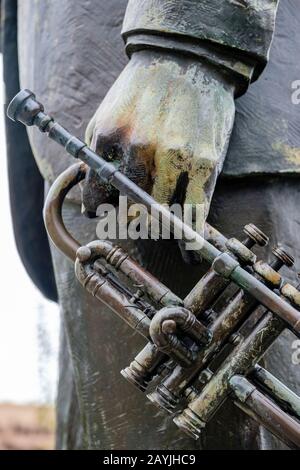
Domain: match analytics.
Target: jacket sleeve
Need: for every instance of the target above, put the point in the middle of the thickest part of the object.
(234, 34)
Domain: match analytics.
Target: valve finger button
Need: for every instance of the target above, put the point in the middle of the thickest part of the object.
(256, 236)
(283, 256)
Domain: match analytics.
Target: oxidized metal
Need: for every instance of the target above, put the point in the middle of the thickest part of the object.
(277, 390)
(201, 350)
(261, 408)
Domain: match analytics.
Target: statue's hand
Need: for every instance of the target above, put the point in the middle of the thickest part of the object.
(166, 122)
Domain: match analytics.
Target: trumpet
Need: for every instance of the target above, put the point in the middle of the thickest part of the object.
(202, 350)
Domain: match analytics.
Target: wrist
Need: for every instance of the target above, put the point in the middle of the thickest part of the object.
(181, 63)
(238, 71)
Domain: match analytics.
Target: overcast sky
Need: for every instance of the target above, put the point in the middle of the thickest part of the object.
(29, 325)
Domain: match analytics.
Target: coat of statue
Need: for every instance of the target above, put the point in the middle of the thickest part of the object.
(185, 120)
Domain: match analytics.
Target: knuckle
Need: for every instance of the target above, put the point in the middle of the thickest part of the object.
(205, 163)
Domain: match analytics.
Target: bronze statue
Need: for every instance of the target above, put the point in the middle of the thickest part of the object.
(166, 122)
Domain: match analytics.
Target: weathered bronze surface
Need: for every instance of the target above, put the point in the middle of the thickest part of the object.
(261, 155)
(191, 338)
(276, 389)
(264, 410)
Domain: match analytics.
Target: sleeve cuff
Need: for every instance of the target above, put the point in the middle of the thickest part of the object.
(236, 34)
